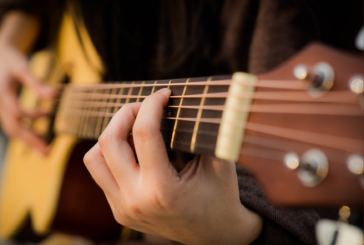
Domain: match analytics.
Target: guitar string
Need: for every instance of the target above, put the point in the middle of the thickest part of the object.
(282, 84)
(97, 114)
(280, 145)
(153, 85)
(272, 154)
(344, 97)
(345, 141)
(259, 152)
(322, 109)
(337, 142)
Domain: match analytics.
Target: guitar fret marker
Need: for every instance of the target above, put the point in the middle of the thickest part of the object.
(199, 114)
(177, 116)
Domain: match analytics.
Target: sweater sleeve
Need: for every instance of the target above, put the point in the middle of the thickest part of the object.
(281, 225)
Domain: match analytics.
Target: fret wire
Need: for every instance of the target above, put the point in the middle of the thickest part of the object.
(177, 116)
(85, 123)
(78, 123)
(170, 81)
(199, 114)
(108, 118)
(153, 87)
(73, 118)
(140, 92)
(106, 121)
(98, 129)
(121, 92)
(92, 124)
(60, 119)
(129, 93)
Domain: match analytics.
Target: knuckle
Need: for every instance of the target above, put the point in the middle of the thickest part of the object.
(125, 109)
(123, 220)
(119, 216)
(134, 209)
(142, 130)
(161, 200)
(87, 159)
(104, 139)
(119, 219)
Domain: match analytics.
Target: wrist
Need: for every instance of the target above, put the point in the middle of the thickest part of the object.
(245, 228)
(252, 223)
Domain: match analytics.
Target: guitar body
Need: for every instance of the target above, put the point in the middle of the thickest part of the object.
(45, 187)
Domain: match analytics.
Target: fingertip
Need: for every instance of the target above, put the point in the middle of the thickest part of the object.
(47, 91)
(42, 150)
(165, 91)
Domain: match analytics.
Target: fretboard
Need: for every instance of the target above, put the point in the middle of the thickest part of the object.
(191, 122)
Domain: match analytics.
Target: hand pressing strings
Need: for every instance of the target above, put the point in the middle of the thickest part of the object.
(199, 205)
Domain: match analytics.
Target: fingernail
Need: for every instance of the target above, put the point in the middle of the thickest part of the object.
(165, 91)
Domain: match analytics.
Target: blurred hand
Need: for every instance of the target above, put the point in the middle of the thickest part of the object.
(14, 71)
(199, 205)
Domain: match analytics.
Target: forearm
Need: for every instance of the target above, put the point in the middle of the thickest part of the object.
(19, 30)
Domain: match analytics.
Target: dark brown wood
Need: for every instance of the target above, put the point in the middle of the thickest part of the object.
(82, 208)
(281, 185)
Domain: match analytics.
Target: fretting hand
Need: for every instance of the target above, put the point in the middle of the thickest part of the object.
(199, 205)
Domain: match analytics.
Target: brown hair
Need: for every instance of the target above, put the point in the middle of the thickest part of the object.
(146, 39)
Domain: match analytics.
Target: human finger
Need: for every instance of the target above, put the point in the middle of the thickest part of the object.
(22, 73)
(149, 145)
(34, 114)
(14, 129)
(115, 147)
(99, 170)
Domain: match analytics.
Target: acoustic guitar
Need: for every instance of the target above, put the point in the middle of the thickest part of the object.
(298, 129)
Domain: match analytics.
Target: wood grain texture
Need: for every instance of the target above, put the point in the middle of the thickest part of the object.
(282, 185)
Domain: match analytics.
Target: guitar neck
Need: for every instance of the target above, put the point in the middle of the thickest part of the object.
(278, 122)
(191, 122)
